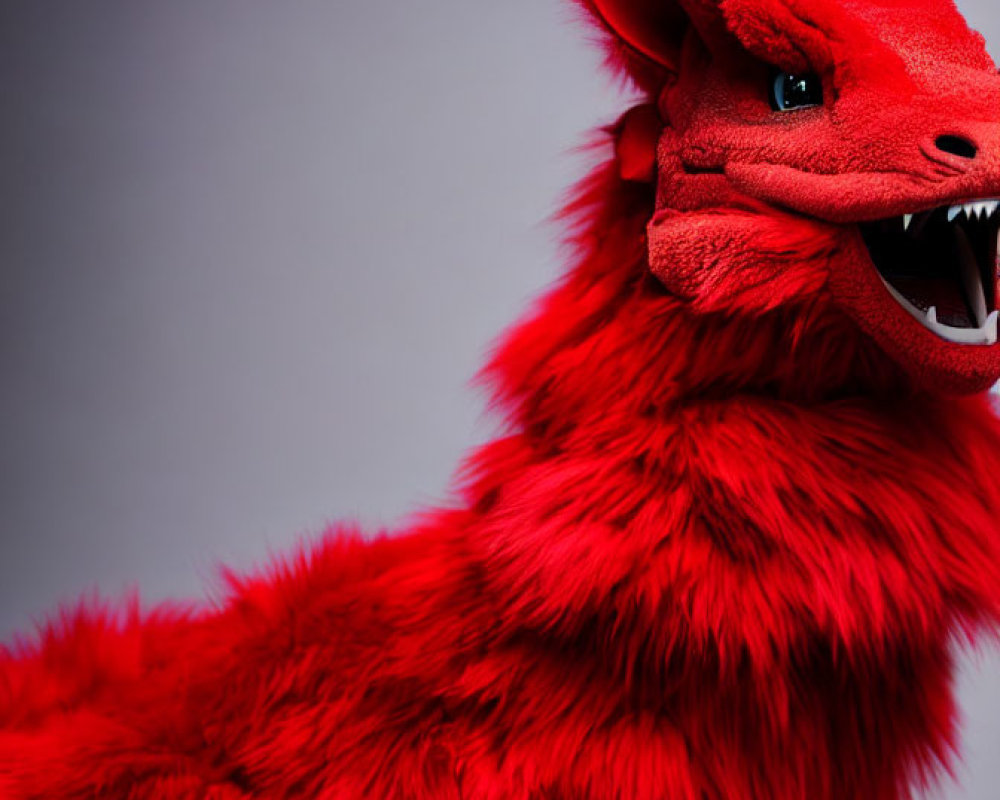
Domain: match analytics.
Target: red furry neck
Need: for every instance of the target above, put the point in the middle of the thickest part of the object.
(773, 475)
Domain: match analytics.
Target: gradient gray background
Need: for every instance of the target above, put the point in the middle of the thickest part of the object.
(251, 254)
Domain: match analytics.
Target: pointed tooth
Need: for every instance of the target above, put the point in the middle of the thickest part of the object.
(907, 219)
(932, 315)
(991, 207)
(970, 209)
(991, 327)
(953, 212)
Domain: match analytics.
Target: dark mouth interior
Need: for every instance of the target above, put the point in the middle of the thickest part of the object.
(941, 259)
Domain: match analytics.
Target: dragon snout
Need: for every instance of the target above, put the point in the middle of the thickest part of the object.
(961, 127)
(960, 148)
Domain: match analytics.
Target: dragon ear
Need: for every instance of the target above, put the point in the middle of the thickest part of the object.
(650, 28)
(647, 35)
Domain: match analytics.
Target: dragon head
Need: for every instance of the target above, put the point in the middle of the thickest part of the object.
(843, 152)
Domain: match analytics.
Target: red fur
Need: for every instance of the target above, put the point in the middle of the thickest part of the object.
(721, 553)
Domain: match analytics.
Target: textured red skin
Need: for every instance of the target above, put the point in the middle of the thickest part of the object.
(721, 553)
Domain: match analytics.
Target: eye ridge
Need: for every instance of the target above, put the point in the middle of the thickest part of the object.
(793, 91)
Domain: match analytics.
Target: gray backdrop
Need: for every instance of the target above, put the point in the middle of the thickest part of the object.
(251, 254)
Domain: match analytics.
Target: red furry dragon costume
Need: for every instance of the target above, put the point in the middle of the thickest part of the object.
(747, 499)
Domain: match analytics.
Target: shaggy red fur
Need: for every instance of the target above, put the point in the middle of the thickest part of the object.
(744, 505)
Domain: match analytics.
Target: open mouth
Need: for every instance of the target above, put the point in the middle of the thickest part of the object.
(941, 265)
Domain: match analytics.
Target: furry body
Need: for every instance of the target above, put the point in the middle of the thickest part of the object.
(721, 554)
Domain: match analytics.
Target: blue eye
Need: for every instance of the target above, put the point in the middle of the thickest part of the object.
(793, 92)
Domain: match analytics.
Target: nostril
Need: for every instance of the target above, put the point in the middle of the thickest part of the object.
(957, 146)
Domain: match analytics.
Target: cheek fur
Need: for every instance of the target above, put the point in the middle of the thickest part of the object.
(740, 262)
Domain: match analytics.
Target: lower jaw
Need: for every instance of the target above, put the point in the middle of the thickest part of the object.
(980, 336)
(933, 363)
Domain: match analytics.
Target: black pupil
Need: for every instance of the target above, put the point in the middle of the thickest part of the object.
(798, 91)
